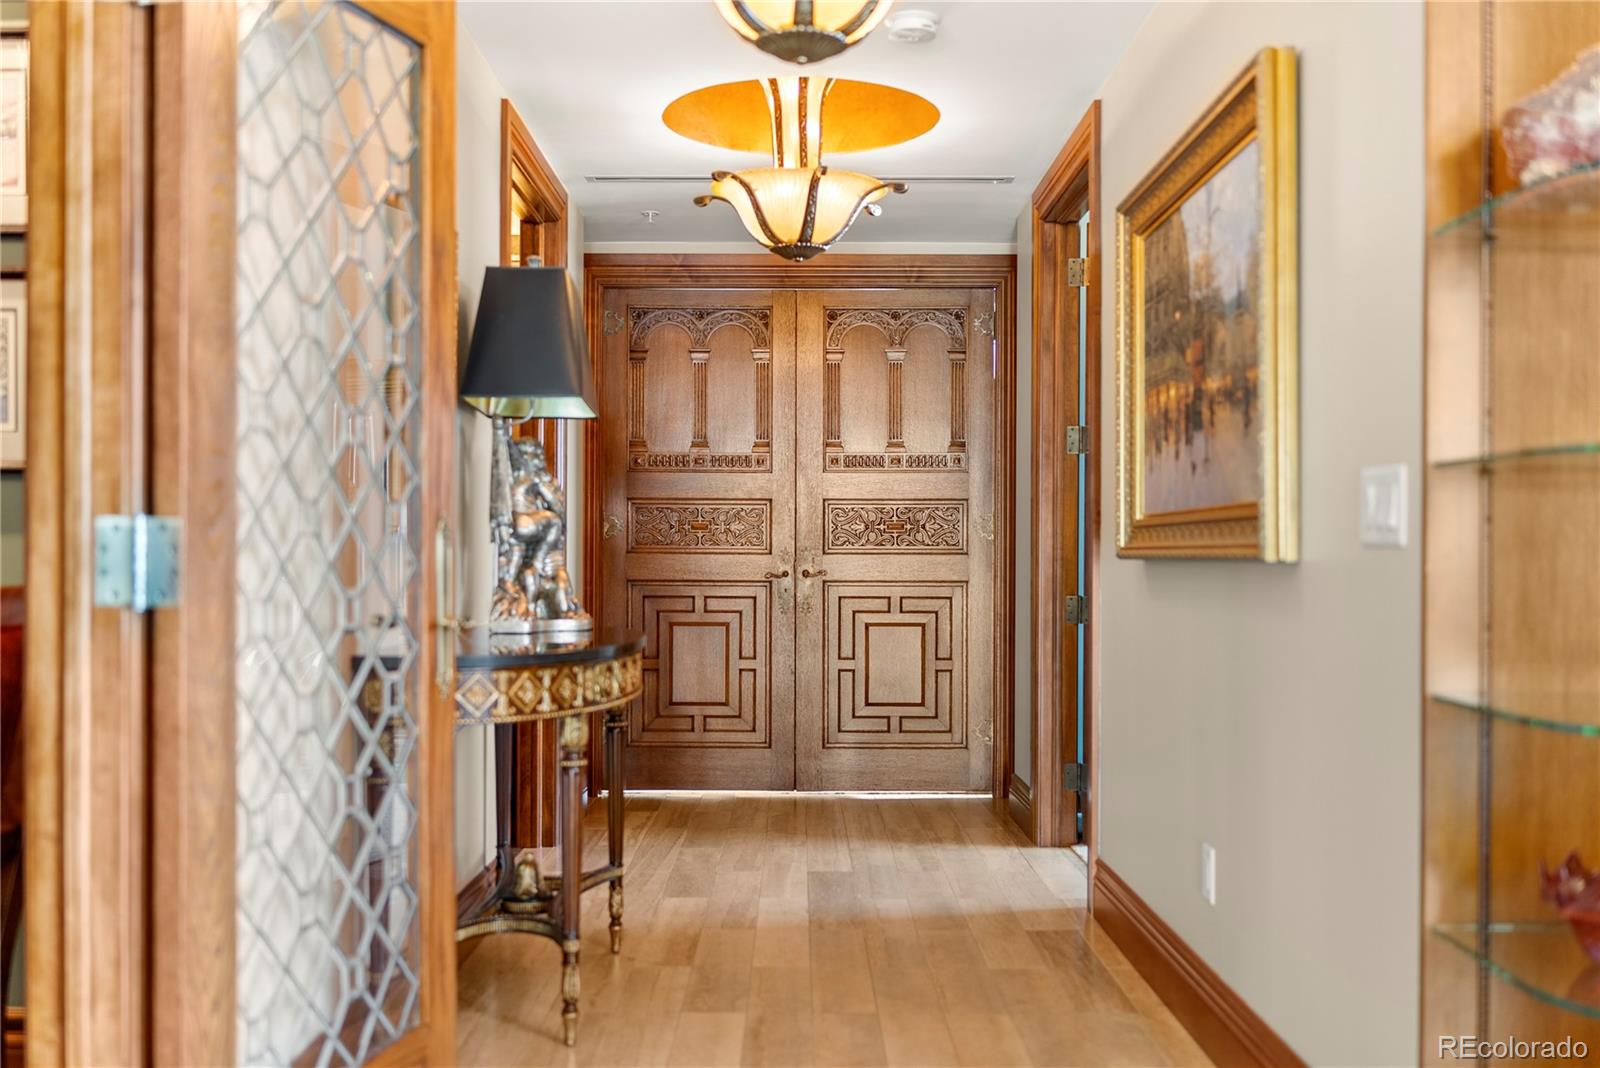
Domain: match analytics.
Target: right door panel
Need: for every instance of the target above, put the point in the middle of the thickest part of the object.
(894, 540)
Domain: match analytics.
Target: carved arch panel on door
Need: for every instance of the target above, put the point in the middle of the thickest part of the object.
(663, 378)
(903, 368)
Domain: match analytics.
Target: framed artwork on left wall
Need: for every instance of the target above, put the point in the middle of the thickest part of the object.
(13, 372)
(13, 133)
(1207, 333)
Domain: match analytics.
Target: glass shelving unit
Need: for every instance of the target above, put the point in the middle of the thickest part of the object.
(1511, 716)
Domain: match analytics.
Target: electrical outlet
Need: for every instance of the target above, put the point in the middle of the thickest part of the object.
(1208, 873)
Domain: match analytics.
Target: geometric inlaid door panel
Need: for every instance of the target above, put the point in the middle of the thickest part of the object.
(897, 660)
(697, 389)
(894, 529)
(706, 668)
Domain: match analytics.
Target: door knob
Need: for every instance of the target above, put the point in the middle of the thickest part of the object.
(806, 572)
(777, 574)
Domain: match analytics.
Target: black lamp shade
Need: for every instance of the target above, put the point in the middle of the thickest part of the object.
(529, 357)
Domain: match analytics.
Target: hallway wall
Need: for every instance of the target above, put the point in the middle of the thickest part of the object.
(1270, 710)
(478, 94)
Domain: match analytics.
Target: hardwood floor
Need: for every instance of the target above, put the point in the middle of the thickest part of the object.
(796, 929)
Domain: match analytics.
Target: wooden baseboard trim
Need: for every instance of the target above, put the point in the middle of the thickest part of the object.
(470, 898)
(1019, 803)
(1224, 1026)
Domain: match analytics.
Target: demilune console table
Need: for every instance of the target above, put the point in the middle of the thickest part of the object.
(503, 680)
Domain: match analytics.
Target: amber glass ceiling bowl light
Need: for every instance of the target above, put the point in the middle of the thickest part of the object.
(797, 207)
(803, 31)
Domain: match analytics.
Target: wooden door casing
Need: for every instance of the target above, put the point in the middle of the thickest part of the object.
(699, 529)
(606, 276)
(894, 540)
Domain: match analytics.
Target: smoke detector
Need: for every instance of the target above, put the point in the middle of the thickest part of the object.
(914, 26)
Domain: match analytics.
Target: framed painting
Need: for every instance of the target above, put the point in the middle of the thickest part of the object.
(13, 133)
(13, 372)
(1207, 333)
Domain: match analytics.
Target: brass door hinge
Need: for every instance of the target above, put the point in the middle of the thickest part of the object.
(1078, 271)
(1074, 777)
(1077, 610)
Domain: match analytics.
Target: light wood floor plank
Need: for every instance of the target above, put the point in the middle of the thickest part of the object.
(813, 931)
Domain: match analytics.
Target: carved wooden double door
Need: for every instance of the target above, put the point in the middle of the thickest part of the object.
(799, 516)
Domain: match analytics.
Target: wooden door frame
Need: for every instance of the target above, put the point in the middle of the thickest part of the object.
(526, 176)
(1068, 192)
(131, 921)
(91, 876)
(533, 199)
(605, 271)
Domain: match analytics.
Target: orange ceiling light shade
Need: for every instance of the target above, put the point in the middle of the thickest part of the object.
(797, 207)
(860, 115)
(803, 31)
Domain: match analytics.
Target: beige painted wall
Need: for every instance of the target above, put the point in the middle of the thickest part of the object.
(478, 96)
(1273, 710)
(1022, 720)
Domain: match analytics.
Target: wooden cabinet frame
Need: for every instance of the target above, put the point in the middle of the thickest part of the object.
(131, 899)
(607, 271)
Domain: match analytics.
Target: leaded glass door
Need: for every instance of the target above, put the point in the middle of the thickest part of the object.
(240, 851)
(345, 370)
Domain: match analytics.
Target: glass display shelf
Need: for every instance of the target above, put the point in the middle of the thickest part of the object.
(1521, 719)
(1542, 960)
(1515, 456)
(1562, 209)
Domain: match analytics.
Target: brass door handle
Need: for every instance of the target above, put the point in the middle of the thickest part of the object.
(806, 572)
(447, 625)
(777, 574)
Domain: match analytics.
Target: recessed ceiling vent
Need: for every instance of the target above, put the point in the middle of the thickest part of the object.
(914, 26)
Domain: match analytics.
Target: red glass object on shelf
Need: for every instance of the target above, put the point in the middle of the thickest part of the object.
(1575, 892)
(1556, 128)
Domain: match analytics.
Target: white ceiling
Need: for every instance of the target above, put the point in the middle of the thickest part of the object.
(591, 79)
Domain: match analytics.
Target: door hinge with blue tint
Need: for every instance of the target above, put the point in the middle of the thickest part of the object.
(1077, 611)
(1077, 440)
(135, 561)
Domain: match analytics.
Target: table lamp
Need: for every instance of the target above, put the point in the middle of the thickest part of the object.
(529, 359)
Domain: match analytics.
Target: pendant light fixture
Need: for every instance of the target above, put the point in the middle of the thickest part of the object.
(798, 207)
(803, 31)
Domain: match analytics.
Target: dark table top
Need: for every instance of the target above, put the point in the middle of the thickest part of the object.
(480, 649)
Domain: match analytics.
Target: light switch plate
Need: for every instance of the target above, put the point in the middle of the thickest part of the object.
(1383, 506)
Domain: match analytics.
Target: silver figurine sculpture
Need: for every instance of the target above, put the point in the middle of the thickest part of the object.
(528, 518)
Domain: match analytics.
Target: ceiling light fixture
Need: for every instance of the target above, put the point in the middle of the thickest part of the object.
(803, 31)
(797, 207)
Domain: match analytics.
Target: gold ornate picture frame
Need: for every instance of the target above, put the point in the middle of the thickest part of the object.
(1207, 333)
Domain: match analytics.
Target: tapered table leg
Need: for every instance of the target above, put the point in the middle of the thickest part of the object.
(616, 721)
(574, 759)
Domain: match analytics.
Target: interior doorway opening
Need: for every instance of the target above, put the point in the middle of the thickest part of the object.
(1066, 497)
(805, 481)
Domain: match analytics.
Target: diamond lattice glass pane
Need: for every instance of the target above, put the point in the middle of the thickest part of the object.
(329, 366)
